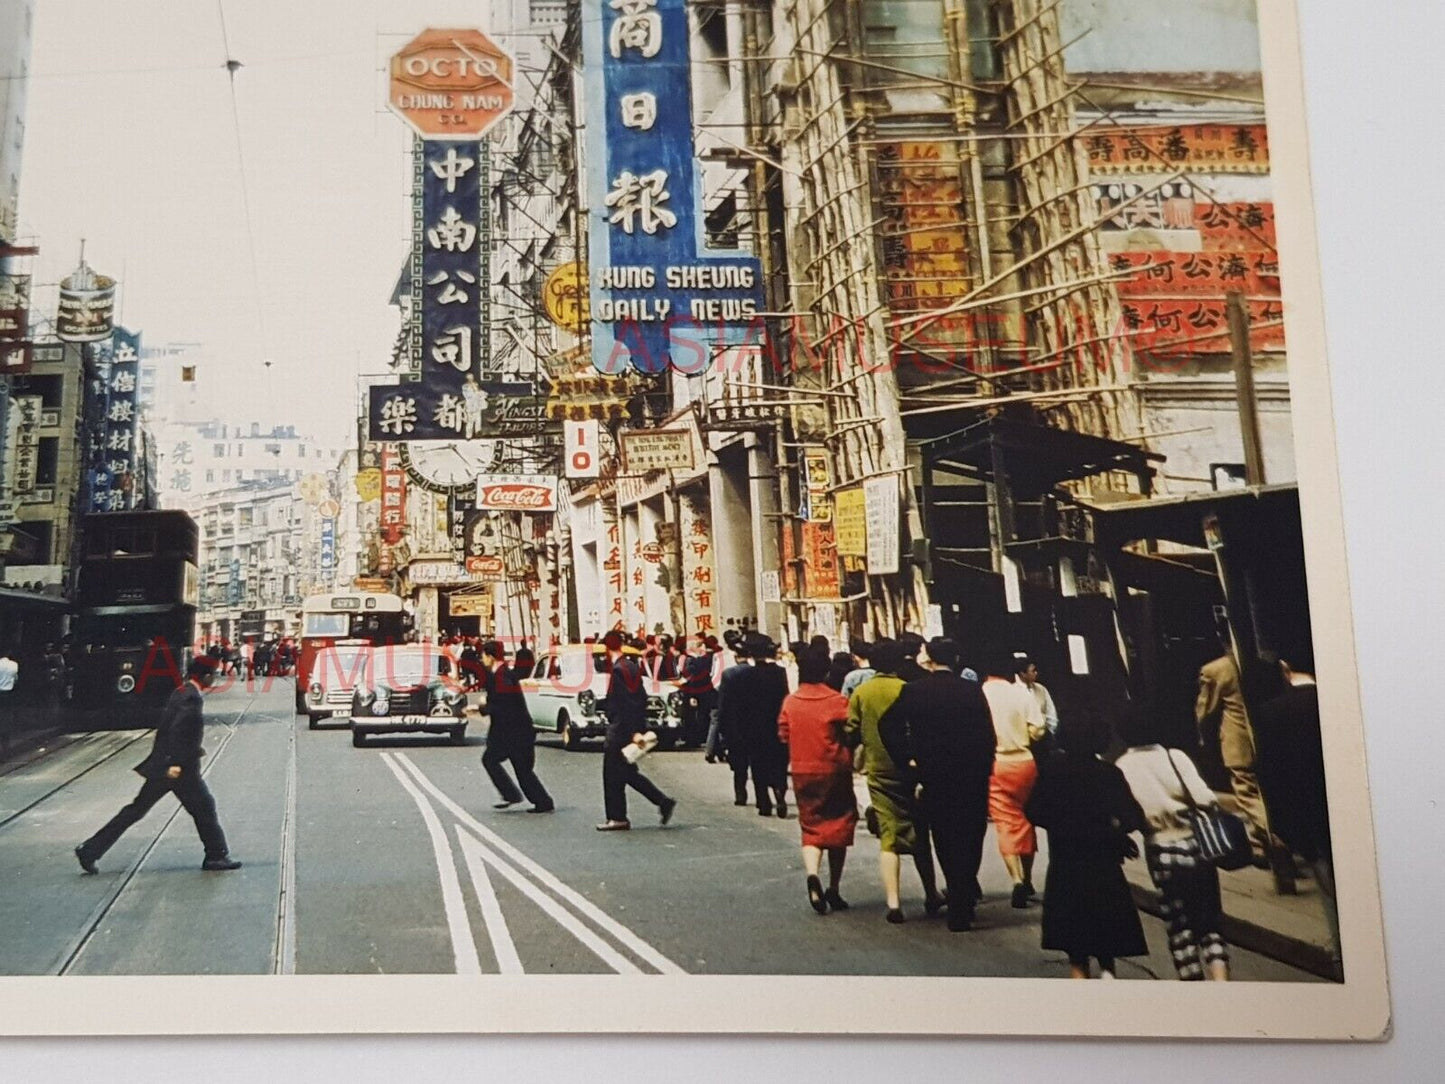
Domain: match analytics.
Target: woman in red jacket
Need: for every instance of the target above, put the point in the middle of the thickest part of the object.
(811, 726)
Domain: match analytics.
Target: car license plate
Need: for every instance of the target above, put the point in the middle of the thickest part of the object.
(415, 720)
(341, 713)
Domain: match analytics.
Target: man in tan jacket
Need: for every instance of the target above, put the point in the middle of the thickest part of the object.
(1220, 696)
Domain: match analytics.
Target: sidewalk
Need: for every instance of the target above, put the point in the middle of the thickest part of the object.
(1287, 928)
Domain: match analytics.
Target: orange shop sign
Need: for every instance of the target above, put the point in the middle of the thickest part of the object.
(451, 84)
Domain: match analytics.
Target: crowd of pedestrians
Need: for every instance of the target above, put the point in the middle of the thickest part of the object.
(947, 750)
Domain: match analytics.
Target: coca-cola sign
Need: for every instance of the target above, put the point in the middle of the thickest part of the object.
(517, 493)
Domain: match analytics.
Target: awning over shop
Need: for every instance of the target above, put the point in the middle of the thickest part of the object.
(1181, 518)
(1035, 457)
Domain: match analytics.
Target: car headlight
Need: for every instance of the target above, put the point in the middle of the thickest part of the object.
(126, 684)
(587, 702)
(315, 692)
(365, 695)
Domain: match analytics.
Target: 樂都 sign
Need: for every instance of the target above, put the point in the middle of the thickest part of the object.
(651, 450)
(517, 493)
(451, 84)
(659, 295)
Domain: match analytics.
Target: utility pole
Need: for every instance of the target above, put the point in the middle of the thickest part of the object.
(1244, 388)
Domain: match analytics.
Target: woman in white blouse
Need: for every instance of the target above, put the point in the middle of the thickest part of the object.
(1163, 781)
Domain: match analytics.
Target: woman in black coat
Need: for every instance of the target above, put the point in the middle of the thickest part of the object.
(1087, 809)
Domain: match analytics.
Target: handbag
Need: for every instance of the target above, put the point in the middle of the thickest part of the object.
(1222, 837)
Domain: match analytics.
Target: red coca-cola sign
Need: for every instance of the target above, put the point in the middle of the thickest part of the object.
(517, 493)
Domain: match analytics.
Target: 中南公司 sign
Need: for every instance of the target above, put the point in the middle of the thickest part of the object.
(448, 395)
(658, 293)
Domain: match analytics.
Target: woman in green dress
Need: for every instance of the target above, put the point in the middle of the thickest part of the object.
(890, 786)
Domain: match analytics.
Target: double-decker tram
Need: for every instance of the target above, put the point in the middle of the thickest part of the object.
(135, 615)
(333, 626)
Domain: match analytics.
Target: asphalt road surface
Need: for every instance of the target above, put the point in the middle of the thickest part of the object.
(390, 859)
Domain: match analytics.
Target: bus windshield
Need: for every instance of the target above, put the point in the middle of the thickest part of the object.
(326, 625)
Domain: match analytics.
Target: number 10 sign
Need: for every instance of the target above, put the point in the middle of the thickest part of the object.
(580, 449)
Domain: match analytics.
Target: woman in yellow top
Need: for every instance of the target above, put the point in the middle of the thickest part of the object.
(890, 786)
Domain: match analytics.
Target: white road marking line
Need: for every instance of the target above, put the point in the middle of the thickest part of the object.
(285, 960)
(503, 947)
(464, 948)
(580, 903)
(610, 956)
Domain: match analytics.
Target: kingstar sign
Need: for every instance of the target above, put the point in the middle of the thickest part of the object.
(658, 294)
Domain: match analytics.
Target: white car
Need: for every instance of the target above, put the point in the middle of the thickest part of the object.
(338, 669)
(565, 690)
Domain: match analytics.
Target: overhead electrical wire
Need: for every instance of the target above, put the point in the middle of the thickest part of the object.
(232, 66)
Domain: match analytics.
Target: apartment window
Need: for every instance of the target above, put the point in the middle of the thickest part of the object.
(47, 459)
(218, 451)
(210, 476)
(225, 476)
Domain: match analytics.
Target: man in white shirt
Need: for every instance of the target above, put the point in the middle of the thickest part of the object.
(9, 673)
(1028, 676)
(1017, 723)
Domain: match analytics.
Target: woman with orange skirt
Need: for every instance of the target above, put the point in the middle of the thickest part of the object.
(811, 726)
(1017, 723)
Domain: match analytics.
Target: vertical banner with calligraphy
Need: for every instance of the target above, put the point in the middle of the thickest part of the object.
(122, 421)
(100, 358)
(820, 561)
(609, 549)
(699, 573)
(447, 399)
(657, 294)
(393, 495)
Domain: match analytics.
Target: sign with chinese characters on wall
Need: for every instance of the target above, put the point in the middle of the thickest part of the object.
(850, 527)
(820, 561)
(447, 394)
(115, 425)
(880, 496)
(657, 293)
(477, 605)
(1208, 148)
(393, 495)
(613, 575)
(27, 442)
(657, 450)
(699, 572)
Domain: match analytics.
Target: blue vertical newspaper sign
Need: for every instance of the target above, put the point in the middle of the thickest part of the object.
(657, 294)
(328, 545)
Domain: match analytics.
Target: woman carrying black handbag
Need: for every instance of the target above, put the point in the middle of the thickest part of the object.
(1169, 790)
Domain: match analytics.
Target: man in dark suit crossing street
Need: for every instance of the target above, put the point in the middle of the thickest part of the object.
(626, 708)
(173, 766)
(510, 735)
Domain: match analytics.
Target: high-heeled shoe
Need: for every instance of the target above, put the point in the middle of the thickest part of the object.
(934, 904)
(835, 901)
(816, 897)
(895, 915)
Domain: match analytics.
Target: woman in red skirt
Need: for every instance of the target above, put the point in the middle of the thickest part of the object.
(811, 725)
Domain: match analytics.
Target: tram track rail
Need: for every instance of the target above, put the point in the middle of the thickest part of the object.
(66, 960)
(17, 814)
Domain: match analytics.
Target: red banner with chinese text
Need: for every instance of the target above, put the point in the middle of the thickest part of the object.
(1205, 148)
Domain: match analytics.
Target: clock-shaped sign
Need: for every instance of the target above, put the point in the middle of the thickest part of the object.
(446, 468)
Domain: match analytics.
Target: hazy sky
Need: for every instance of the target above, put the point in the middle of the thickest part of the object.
(130, 143)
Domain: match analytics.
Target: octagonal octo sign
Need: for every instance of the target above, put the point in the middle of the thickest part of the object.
(451, 84)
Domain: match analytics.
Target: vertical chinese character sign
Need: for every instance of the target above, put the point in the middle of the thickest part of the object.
(393, 495)
(653, 286)
(450, 86)
(113, 411)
